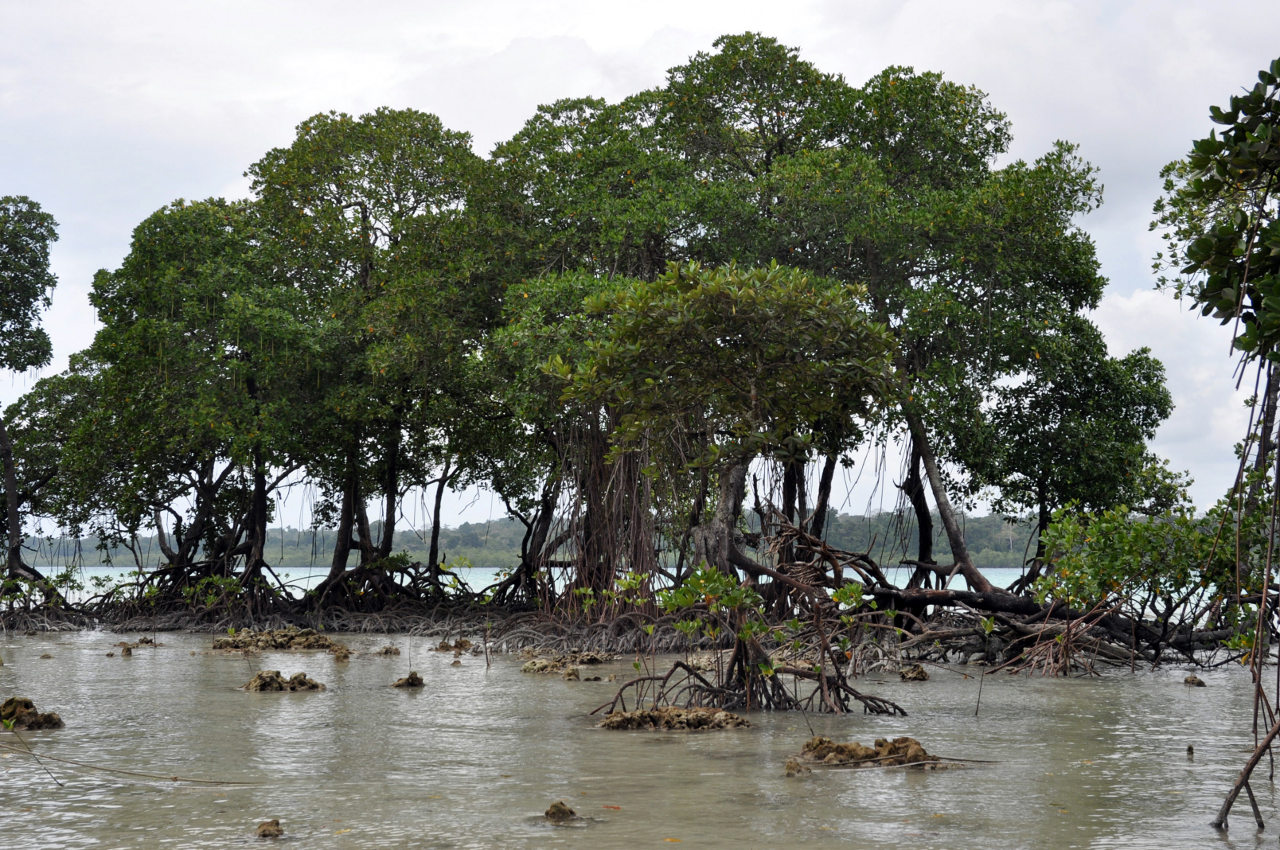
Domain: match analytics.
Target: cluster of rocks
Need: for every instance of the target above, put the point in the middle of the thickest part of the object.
(271, 680)
(127, 648)
(900, 751)
(290, 637)
(20, 713)
(673, 718)
(914, 673)
(563, 663)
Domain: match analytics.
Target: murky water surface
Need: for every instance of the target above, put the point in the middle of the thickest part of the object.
(475, 757)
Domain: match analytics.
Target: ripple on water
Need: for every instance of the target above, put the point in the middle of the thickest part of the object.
(475, 757)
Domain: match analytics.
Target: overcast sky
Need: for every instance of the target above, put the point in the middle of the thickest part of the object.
(109, 110)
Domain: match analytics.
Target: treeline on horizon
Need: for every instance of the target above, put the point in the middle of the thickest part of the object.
(994, 541)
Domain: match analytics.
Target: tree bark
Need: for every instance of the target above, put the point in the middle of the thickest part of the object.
(913, 489)
(13, 523)
(964, 564)
(713, 540)
(15, 566)
(790, 474)
(818, 521)
(342, 545)
(391, 490)
(257, 518)
(433, 555)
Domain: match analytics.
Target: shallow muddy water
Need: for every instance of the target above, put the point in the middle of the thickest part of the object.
(474, 758)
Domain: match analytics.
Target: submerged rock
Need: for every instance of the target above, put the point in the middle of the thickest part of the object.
(795, 768)
(126, 648)
(1194, 681)
(271, 680)
(559, 812)
(673, 717)
(388, 650)
(270, 829)
(290, 637)
(20, 713)
(413, 680)
(914, 673)
(537, 665)
(899, 751)
(561, 662)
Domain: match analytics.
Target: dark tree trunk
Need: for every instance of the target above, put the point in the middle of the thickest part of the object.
(818, 522)
(713, 539)
(364, 540)
(343, 545)
(1043, 518)
(13, 523)
(964, 564)
(913, 489)
(391, 491)
(598, 536)
(533, 553)
(15, 567)
(433, 556)
(257, 518)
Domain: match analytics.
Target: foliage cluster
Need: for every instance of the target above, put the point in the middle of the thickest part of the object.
(618, 319)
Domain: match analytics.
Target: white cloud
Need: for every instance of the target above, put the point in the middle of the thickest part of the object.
(1209, 415)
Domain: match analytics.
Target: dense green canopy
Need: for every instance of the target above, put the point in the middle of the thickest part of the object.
(617, 321)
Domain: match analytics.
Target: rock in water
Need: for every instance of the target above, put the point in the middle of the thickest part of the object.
(899, 751)
(20, 713)
(1194, 681)
(914, 673)
(271, 680)
(270, 829)
(559, 812)
(795, 768)
(671, 717)
(290, 637)
(413, 680)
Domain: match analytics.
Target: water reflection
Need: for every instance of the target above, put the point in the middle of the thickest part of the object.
(474, 757)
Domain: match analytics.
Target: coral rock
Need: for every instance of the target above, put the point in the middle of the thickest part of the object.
(559, 812)
(20, 713)
(673, 718)
(271, 680)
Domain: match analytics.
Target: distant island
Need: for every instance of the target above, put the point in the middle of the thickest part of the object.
(994, 542)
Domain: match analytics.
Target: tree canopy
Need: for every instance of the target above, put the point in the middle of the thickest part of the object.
(26, 232)
(655, 328)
